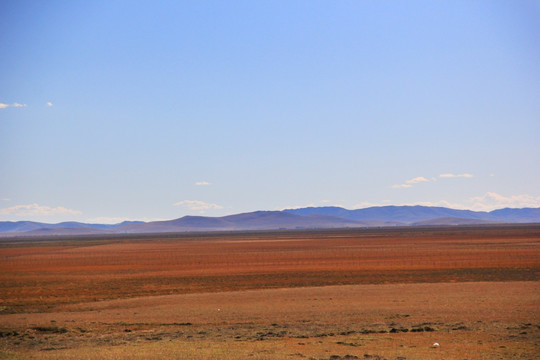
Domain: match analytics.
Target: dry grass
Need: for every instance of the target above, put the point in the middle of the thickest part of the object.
(39, 276)
(281, 295)
(470, 320)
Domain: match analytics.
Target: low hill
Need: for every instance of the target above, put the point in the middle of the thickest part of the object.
(414, 214)
(451, 221)
(258, 220)
(305, 218)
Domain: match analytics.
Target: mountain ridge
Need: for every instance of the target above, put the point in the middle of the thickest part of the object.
(302, 218)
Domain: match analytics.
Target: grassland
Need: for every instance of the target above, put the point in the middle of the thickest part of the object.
(381, 293)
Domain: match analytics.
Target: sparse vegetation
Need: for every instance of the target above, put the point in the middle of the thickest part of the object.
(392, 296)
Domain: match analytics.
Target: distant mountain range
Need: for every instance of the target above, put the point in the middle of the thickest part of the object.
(411, 214)
(304, 218)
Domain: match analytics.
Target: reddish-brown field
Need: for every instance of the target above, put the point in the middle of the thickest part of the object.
(286, 294)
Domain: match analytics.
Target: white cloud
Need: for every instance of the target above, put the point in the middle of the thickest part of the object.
(491, 201)
(202, 183)
(409, 183)
(417, 180)
(17, 105)
(399, 186)
(487, 202)
(368, 204)
(456, 176)
(49, 104)
(6, 199)
(198, 205)
(440, 203)
(37, 210)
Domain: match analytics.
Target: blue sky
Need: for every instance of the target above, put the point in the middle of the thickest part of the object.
(114, 110)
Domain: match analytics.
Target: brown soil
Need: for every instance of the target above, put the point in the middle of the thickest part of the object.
(389, 293)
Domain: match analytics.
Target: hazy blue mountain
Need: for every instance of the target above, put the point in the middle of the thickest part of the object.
(525, 215)
(280, 219)
(305, 218)
(452, 221)
(186, 223)
(258, 220)
(414, 214)
(64, 231)
(16, 226)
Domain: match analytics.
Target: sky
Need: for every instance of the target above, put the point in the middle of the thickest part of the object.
(143, 110)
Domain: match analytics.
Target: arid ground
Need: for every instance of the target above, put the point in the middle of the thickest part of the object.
(386, 293)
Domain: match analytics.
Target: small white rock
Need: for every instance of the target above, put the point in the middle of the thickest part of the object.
(435, 345)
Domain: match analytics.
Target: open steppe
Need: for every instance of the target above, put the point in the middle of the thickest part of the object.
(328, 294)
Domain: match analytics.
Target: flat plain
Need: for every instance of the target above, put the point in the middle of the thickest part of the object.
(388, 293)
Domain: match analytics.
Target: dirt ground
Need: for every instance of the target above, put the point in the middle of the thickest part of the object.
(366, 294)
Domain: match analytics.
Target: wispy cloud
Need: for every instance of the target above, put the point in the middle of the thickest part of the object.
(409, 183)
(202, 183)
(487, 202)
(456, 176)
(17, 105)
(490, 201)
(368, 204)
(440, 203)
(417, 180)
(198, 205)
(420, 179)
(49, 104)
(37, 210)
(401, 186)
